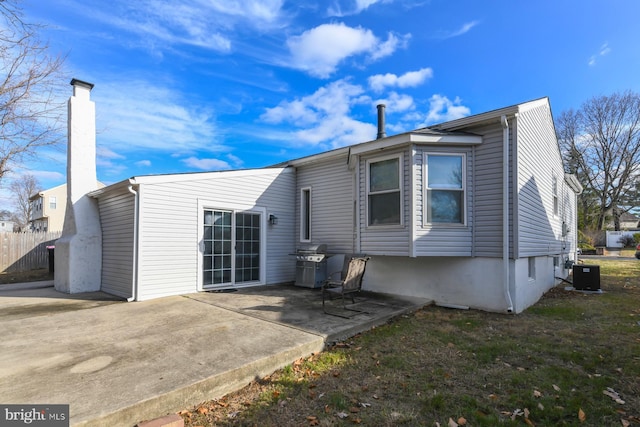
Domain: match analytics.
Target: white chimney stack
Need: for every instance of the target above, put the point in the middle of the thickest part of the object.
(78, 253)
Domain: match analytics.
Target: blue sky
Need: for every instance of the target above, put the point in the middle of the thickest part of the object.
(198, 85)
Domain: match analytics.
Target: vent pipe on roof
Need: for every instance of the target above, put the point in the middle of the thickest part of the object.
(381, 132)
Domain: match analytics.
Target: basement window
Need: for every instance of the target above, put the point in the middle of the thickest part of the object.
(532, 268)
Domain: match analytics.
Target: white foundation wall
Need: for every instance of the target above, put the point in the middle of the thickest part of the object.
(461, 282)
(471, 282)
(527, 290)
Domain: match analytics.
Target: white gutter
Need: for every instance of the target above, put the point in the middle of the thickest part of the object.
(134, 276)
(505, 212)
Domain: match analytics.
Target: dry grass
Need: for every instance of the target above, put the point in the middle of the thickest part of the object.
(562, 362)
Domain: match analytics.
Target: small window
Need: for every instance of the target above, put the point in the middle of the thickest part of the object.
(384, 192)
(532, 268)
(305, 215)
(445, 176)
(52, 202)
(554, 190)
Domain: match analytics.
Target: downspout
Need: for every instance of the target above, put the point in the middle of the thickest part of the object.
(505, 212)
(134, 275)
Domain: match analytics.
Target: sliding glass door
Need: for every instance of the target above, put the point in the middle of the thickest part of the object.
(232, 245)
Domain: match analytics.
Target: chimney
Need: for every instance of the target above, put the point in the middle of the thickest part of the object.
(78, 253)
(381, 132)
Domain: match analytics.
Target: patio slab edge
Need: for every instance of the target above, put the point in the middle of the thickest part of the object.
(210, 388)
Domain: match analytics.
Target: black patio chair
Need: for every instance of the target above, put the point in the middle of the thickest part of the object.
(347, 286)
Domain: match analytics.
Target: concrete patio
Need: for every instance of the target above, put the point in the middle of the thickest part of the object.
(119, 363)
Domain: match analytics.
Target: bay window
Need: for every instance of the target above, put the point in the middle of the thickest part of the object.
(445, 189)
(384, 192)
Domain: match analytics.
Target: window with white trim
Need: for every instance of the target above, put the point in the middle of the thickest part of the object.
(52, 202)
(384, 191)
(305, 215)
(445, 188)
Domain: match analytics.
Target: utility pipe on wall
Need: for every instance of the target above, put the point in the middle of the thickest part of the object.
(505, 212)
(134, 278)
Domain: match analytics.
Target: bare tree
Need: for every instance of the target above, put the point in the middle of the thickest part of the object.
(22, 190)
(31, 109)
(601, 145)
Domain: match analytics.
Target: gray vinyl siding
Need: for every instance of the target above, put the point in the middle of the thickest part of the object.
(169, 247)
(331, 184)
(392, 240)
(441, 239)
(539, 160)
(117, 222)
(487, 192)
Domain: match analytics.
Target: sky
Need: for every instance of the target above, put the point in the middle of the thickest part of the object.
(204, 85)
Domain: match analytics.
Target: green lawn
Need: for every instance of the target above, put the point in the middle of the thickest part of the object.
(572, 359)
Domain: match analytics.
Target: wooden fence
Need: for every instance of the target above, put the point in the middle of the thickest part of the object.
(25, 251)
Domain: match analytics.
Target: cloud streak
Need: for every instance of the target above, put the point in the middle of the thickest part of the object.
(604, 50)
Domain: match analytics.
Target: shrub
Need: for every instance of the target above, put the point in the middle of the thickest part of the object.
(627, 240)
(636, 237)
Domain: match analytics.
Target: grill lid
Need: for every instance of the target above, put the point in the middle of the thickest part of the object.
(312, 249)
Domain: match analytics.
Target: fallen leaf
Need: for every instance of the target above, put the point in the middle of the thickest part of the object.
(536, 393)
(529, 422)
(493, 397)
(541, 406)
(365, 405)
(354, 410)
(625, 423)
(342, 415)
(311, 418)
(202, 410)
(526, 413)
(581, 415)
(614, 395)
(556, 388)
(452, 423)
(356, 420)
(462, 421)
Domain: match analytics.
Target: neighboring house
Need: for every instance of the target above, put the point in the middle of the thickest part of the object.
(6, 225)
(48, 209)
(629, 221)
(475, 212)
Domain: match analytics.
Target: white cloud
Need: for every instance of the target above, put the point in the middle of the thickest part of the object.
(378, 82)
(396, 103)
(604, 50)
(136, 115)
(352, 7)
(106, 153)
(442, 109)
(320, 50)
(324, 117)
(143, 163)
(206, 164)
(207, 24)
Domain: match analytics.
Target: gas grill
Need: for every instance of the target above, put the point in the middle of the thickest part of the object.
(311, 265)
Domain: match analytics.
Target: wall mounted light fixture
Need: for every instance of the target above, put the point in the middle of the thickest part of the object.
(273, 220)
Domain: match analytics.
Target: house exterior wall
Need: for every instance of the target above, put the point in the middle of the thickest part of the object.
(117, 219)
(539, 162)
(169, 227)
(487, 190)
(332, 203)
(44, 215)
(392, 240)
(442, 239)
